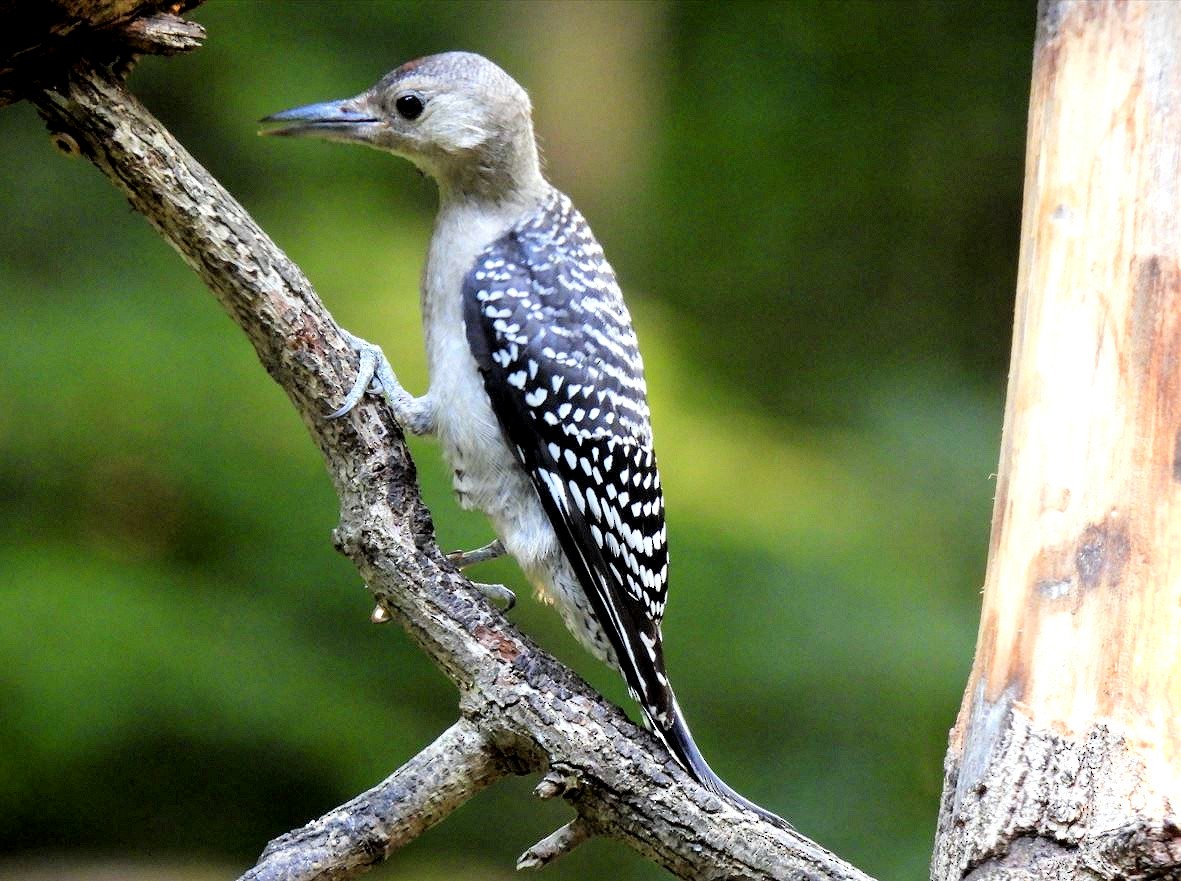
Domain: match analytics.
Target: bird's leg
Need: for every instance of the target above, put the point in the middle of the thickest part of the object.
(490, 551)
(376, 375)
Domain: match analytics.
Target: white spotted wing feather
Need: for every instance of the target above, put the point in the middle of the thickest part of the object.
(554, 342)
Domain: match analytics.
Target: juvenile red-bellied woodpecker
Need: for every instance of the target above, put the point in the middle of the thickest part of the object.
(537, 390)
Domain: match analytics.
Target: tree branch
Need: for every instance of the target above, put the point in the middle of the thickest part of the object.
(366, 830)
(39, 42)
(554, 845)
(514, 698)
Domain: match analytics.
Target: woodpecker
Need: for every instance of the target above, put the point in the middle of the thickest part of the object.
(537, 391)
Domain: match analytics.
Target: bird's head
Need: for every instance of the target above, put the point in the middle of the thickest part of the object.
(456, 115)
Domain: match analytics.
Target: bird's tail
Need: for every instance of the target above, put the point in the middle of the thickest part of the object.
(674, 731)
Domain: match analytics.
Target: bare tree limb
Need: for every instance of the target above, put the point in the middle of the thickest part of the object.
(40, 41)
(535, 712)
(163, 34)
(366, 830)
(553, 846)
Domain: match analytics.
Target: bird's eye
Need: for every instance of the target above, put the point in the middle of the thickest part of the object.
(408, 106)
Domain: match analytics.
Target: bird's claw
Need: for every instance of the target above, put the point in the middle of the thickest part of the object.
(369, 368)
(497, 593)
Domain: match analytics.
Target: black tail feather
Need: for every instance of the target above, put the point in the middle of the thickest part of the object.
(679, 740)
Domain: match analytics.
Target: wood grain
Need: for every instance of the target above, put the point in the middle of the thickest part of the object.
(1080, 634)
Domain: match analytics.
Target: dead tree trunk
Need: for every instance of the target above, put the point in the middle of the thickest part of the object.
(1065, 761)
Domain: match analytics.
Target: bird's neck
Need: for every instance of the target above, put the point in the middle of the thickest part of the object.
(506, 174)
(469, 221)
(464, 227)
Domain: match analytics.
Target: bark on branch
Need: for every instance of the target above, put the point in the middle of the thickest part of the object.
(520, 708)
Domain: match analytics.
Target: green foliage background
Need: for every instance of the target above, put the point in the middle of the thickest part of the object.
(814, 210)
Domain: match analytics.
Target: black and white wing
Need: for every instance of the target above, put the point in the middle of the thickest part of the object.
(555, 345)
(550, 335)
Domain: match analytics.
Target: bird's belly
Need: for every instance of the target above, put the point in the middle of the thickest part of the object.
(486, 474)
(488, 477)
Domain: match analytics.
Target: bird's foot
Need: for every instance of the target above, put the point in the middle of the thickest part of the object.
(375, 375)
(369, 375)
(490, 551)
(497, 593)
